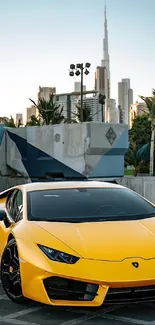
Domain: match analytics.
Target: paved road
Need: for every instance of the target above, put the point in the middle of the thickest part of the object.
(36, 314)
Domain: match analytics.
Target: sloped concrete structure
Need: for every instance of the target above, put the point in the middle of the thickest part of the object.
(93, 150)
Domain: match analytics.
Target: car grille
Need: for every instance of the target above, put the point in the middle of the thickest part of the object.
(65, 289)
(134, 294)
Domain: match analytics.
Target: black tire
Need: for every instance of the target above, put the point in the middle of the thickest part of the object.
(10, 273)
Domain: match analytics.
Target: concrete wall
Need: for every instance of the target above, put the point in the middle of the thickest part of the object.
(142, 185)
(7, 182)
(76, 150)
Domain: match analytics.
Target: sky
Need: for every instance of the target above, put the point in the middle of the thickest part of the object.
(39, 39)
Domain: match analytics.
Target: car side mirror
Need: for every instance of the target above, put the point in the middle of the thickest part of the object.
(3, 215)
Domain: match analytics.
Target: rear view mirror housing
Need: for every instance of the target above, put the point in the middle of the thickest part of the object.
(3, 215)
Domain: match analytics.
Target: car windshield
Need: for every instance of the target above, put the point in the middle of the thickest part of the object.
(87, 204)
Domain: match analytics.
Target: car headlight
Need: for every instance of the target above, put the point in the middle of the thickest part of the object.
(58, 256)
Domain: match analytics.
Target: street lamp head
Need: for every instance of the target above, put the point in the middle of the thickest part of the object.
(86, 72)
(77, 73)
(87, 65)
(102, 99)
(71, 74)
(78, 65)
(72, 66)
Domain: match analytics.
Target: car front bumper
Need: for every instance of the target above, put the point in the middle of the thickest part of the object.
(88, 282)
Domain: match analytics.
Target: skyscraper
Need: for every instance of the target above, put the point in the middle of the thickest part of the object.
(19, 119)
(113, 112)
(45, 92)
(77, 88)
(106, 60)
(30, 111)
(136, 109)
(125, 98)
(102, 76)
(100, 79)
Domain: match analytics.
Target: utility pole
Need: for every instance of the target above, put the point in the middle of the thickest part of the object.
(102, 99)
(79, 71)
(81, 111)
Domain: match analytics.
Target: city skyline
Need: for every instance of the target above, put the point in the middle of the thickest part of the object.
(29, 59)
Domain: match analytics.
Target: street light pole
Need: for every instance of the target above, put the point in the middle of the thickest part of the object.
(80, 70)
(102, 99)
(81, 112)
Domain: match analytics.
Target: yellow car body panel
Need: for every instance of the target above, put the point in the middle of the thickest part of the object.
(106, 251)
(103, 240)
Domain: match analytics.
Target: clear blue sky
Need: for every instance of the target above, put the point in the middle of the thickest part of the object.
(40, 38)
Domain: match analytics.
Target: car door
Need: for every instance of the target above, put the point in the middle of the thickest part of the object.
(14, 209)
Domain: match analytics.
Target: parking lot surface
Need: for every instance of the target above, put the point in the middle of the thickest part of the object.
(37, 314)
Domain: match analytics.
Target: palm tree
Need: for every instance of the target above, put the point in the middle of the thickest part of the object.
(19, 124)
(8, 122)
(34, 121)
(49, 111)
(132, 159)
(150, 103)
(87, 114)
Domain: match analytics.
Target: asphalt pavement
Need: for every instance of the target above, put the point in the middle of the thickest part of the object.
(37, 314)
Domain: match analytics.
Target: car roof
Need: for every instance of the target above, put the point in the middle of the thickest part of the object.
(67, 184)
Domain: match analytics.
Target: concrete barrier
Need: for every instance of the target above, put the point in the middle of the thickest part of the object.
(89, 149)
(142, 185)
(7, 182)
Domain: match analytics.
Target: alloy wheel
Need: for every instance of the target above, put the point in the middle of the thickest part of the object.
(10, 271)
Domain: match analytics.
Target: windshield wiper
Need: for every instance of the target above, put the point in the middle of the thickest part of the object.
(95, 219)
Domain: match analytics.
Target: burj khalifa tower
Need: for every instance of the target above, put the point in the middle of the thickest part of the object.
(102, 75)
(106, 61)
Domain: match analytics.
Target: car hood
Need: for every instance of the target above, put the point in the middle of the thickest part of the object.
(115, 240)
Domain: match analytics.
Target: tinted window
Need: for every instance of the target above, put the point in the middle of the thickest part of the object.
(15, 205)
(10, 200)
(87, 204)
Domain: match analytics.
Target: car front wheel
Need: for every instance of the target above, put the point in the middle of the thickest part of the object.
(10, 273)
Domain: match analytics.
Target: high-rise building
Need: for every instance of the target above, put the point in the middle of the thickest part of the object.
(106, 59)
(125, 98)
(19, 119)
(30, 111)
(45, 92)
(68, 102)
(100, 80)
(113, 112)
(77, 88)
(121, 114)
(95, 108)
(102, 76)
(137, 109)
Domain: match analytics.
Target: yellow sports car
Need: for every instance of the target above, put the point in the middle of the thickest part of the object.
(81, 243)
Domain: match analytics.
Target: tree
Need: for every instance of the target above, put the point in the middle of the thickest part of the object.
(19, 124)
(49, 111)
(131, 158)
(87, 113)
(150, 103)
(139, 137)
(8, 122)
(140, 134)
(34, 121)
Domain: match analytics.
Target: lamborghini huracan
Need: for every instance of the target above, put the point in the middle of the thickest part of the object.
(81, 243)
